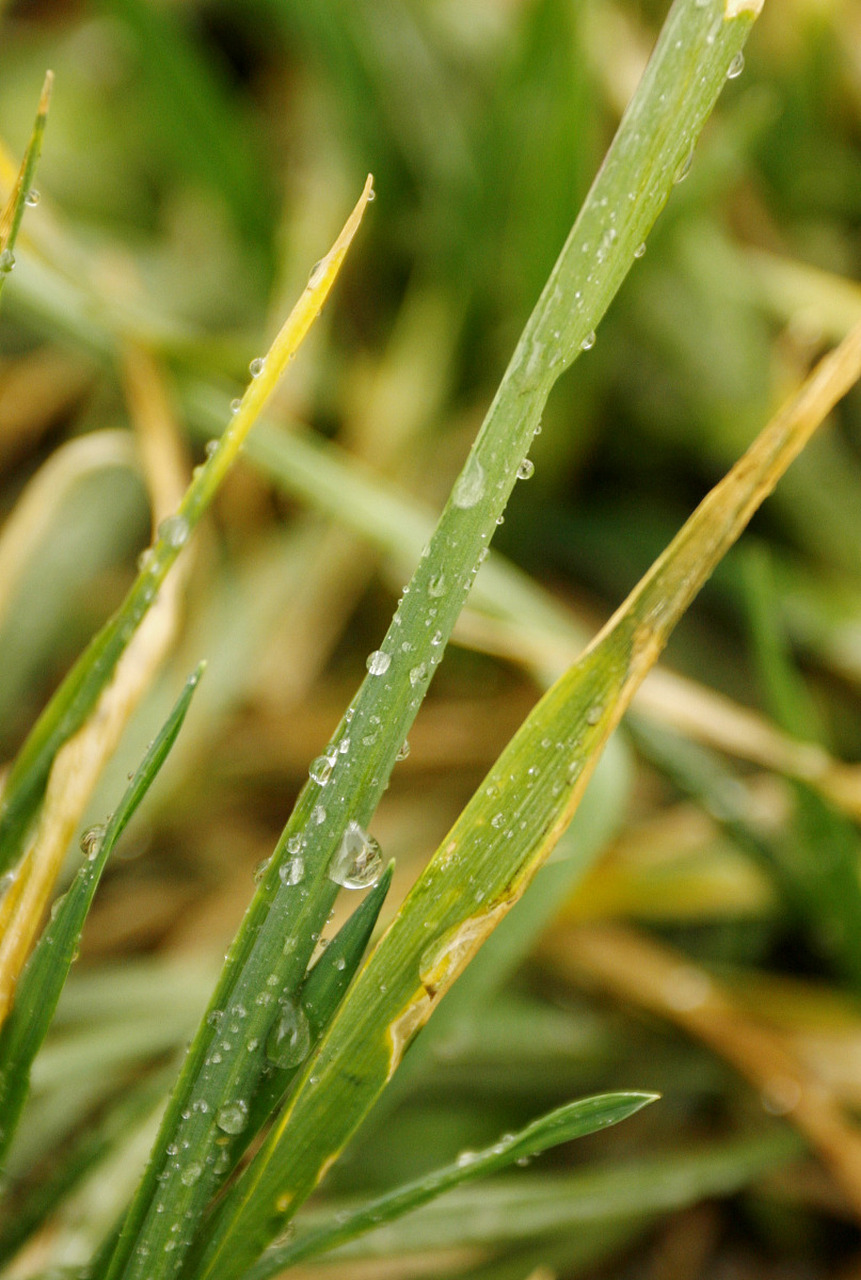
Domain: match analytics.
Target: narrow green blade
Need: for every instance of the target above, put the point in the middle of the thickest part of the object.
(575, 1120)
(10, 218)
(48, 967)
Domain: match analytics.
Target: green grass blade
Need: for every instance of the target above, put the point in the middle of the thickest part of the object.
(325, 985)
(76, 696)
(501, 838)
(323, 990)
(10, 218)
(575, 1120)
(677, 93)
(516, 1208)
(48, 967)
(480, 491)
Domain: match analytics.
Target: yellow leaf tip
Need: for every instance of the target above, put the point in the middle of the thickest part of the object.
(47, 87)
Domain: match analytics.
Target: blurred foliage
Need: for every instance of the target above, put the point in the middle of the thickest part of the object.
(199, 156)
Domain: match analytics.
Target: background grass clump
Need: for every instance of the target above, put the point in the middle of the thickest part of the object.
(706, 928)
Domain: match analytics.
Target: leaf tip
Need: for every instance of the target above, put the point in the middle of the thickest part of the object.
(47, 89)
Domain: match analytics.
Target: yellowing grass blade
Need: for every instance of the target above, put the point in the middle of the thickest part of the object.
(77, 696)
(500, 840)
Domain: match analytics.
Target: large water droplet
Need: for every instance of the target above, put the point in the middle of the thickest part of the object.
(91, 840)
(378, 662)
(256, 367)
(469, 485)
(640, 250)
(736, 67)
(7, 262)
(320, 769)
(174, 531)
(404, 750)
(358, 861)
(32, 198)
(232, 1117)
(526, 469)
(589, 341)
(317, 272)
(417, 674)
(292, 871)
(290, 1038)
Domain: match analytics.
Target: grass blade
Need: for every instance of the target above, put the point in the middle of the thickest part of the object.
(73, 701)
(501, 838)
(516, 1208)
(322, 992)
(46, 972)
(13, 212)
(575, 1120)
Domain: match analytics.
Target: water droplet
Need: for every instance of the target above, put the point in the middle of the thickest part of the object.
(378, 662)
(436, 586)
(232, 1117)
(469, 485)
(736, 67)
(404, 750)
(588, 342)
(235, 404)
(260, 869)
(211, 447)
(317, 272)
(190, 1174)
(174, 531)
(640, 250)
(498, 820)
(436, 639)
(256, 367)
(32, 198)
(358, 861)
(684, 168)
(526, 469)
(372, 195)
(466, 1158)
(320, 770)
(7, 262)
(289, 1040)
(295, 844)
(417, 674)
(91, 841)
(318, 815)
(594, 714)
(214, 1017)
(292, 871)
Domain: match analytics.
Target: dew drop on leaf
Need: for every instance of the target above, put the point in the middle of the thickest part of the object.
(378, 662)
(290, 1038)
(232, 1117)
(358, 861)
(174, 531)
